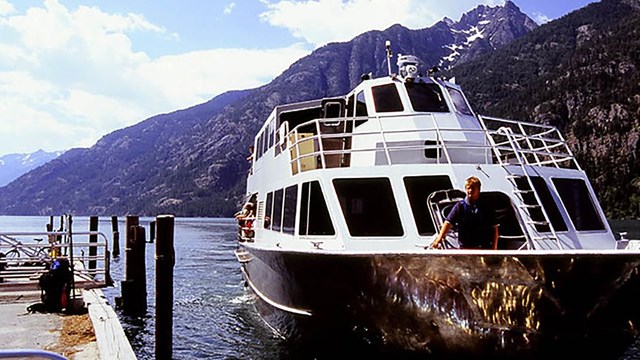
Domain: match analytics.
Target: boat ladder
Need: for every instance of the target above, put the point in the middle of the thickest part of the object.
(538, 226)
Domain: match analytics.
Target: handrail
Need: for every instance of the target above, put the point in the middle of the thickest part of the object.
(17, 268)
(549, 137)
(508, 133)
(536, 144)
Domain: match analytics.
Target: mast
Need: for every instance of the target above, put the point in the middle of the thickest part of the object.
(389, 55)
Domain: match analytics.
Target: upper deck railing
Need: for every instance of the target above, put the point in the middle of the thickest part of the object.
(422, 139)
(537, 144)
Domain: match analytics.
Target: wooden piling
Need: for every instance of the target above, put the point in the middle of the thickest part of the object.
(71, 260)
(134, 286)
(93, 241)
(116, 236)
(165, 260)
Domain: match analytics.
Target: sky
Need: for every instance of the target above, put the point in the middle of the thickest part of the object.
(72, 71)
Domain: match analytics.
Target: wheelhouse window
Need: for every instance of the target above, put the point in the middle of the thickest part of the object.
(314, 215)
(369, 207)
(386, 98)
(361, 105)
(578, 203)
(418, 189)
(459, 103)
(426, 97)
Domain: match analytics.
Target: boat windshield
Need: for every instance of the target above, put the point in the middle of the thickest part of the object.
(426, 97)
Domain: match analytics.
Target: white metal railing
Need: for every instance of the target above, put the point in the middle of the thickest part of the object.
(27, 255)
(535, 144)
(336, 142)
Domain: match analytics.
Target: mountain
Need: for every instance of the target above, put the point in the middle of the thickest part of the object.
(581, 74)
(128, 171)
(12, 166)
(484, 29)
(192, 162)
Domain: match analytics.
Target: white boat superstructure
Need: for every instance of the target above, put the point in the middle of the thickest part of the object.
(402, 139)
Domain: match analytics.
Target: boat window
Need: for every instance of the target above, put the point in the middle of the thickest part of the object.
(333, 109)
(418, 189)
(431, 149)
(290, 203)
(263, 139)
(361, 105)
(270, 130)
(550, 206)
(268, 210)
(258, 146)
(368, 206)
(276, 223)
(314, 215)
(258, 150)
(426, 97)
(386, 98)
(459, 103)
(577, 201)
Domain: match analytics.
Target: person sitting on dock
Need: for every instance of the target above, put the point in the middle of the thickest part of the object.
(475, 220)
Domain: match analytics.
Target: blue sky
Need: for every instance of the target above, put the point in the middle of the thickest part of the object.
(72, 71)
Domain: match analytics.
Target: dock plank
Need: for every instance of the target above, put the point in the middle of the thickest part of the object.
(111, 339)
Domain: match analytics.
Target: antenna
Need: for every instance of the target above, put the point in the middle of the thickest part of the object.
(389, 55)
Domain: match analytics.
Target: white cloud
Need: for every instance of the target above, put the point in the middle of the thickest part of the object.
(229, 8)
(210, 72)
(322, 21)
(6, 7)
(70, 76)
(541, 18)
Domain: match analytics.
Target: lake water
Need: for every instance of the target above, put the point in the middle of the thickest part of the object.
(213, 313)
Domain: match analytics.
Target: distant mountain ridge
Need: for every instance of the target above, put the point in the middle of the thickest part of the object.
(192, 162)
(12, 166)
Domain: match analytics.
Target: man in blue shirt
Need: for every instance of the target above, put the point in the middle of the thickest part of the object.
(474, 219)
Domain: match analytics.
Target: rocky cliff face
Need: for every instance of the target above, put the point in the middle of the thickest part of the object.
(483, 29)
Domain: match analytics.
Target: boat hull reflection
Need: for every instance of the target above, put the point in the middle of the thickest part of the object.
(455, 303)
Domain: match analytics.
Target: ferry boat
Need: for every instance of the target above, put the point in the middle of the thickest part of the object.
(349, 192)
